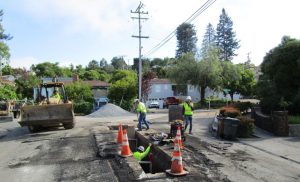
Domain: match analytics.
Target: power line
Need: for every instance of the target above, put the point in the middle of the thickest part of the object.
(198, 12)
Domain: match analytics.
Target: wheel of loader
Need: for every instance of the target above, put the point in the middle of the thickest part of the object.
(33, 129)
(68, 125)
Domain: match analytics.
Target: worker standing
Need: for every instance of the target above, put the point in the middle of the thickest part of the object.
(141, 109)
(140, 154)
(187, 113)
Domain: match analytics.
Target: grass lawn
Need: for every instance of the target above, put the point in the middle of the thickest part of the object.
(294, 119)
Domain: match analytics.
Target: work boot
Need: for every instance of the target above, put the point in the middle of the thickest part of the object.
(190, 133)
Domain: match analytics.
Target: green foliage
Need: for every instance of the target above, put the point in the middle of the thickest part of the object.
(25, 85)
(93, 65)
(124, 88)
(208, 42)
(47, 69)
(7, 92)
(225, 38)
(83, 107)
(145, 65)
(4, 49)
(7, 70)
(281, 70)
(294, 119)
(91, 75)
(215, 102)
(186, 39)
(246, 127)
(118, 63)
(243, 106)
(79, 91)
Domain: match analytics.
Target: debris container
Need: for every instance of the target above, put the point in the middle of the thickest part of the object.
(230, 127)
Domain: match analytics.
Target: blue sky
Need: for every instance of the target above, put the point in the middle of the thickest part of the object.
(77, 31)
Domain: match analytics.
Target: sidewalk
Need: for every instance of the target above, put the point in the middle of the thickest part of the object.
(284, 147)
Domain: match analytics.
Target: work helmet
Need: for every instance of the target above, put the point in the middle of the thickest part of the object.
(188, 98)
(136, 100)
(141, 148)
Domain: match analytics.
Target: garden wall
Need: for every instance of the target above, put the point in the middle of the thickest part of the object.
(277, 123)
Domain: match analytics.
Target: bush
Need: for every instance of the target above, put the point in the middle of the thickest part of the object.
(216, 102)
(243, 106)
(83, 107)
(246, 127)
(230, 112)
(294, 119)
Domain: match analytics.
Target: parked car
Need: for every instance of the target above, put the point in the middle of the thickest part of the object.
(100, 102)
(170, 101)
(154, 104)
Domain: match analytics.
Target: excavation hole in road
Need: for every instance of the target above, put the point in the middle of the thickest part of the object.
(157, 161)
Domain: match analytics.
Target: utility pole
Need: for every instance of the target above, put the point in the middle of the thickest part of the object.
(139, 12)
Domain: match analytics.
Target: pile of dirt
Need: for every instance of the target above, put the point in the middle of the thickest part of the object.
(110, 110)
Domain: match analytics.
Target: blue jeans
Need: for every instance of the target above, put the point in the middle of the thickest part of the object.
(188, 121)
(142, 119)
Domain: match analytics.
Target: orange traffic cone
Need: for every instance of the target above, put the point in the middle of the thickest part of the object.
(176, 166)
(125, 152)
(120, 135)
(178, 138)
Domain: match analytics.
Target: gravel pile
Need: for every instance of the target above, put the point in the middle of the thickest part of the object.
(110, 110)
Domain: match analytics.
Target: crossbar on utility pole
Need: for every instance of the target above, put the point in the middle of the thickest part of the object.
(139, 12)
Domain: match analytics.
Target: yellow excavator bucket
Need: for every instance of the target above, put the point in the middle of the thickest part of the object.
(47, 115)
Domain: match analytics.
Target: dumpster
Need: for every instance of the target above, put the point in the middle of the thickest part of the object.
(230, 127)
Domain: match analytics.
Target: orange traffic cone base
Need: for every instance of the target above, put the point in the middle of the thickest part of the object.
(126, 155)
(183, 173)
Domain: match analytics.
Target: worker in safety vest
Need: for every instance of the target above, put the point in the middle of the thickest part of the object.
(56, 95)
(187, 113)
(140, 154)
(142, 111)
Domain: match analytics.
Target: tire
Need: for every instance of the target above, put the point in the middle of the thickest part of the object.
(33, 129)
(68, 126)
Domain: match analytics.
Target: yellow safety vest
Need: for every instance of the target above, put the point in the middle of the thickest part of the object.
(141, 108)
(141, 155)
(187, 109)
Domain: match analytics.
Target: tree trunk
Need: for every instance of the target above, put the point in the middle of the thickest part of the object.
(202, 94)
(231, 96)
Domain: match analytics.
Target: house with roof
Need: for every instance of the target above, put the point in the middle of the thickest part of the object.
(99, 88)
(163, 88)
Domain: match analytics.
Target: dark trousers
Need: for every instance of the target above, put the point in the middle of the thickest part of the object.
(142, 119)
(188, 121)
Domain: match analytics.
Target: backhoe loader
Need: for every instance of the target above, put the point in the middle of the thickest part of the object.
(48, 110)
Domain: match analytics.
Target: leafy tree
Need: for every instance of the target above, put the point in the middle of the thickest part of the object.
(208, 42)
(4, 49)
(79, 92)
(7, 70)
(91, 75)
(146, 83)
(231, 77)
(247, 83)
(200, 74)
(7, 92)
(118, 63)
(93, 65)
(281, 68)
(225, 38)
(25, 84)
(103, 63)
(66, 72)
(47, 69)
(186, 39)
(124, 88)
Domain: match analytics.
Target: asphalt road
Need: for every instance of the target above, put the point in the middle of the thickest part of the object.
(51, 155)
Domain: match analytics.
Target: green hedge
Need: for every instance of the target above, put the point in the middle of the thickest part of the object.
(294, 119)
(83, 107)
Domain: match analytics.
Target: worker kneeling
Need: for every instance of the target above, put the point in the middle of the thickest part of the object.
(140, 154)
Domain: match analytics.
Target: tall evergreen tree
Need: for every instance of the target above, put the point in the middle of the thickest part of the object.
(208, 42)
(226, 38)
(4, 49)
(186, 39)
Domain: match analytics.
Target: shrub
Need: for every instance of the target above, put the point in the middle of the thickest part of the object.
(83, 107)
(216, 102)
(243, 106)
(230, 112)
(246, 127)
(294, 119)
